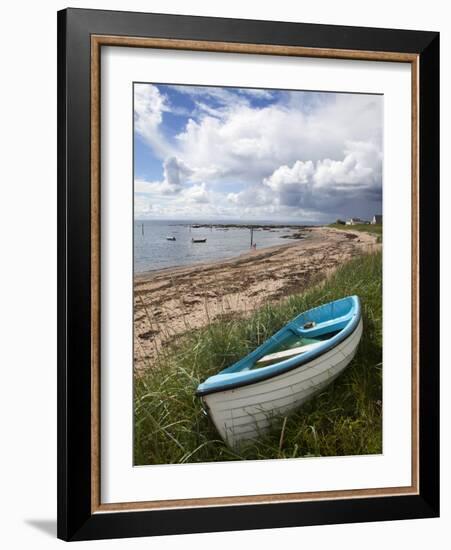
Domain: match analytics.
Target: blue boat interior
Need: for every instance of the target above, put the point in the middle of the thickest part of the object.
(317, 330)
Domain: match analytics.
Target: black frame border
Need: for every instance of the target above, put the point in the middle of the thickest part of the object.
(75, 520)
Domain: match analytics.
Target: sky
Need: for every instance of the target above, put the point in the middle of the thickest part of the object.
(242, 153)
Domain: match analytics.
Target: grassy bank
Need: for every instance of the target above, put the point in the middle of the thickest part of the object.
(345, 419)
(375, 229)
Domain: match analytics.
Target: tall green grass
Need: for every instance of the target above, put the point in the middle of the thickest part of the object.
(345, 419)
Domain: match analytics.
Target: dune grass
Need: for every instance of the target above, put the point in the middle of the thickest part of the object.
(345, 419)
(374, 228)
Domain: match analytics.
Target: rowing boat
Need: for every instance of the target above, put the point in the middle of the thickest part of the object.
(301, 359)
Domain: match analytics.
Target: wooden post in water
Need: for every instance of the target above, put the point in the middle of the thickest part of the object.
(142, 229)
(252, 236)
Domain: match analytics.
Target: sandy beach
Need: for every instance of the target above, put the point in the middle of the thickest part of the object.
(171, 302)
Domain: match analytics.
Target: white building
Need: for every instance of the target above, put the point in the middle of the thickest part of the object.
(377, 218)
(354, 221)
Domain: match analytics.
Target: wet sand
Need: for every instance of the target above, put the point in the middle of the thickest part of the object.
(171, 302)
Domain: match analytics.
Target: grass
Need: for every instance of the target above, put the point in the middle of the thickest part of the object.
(375, 228)
(345, 419)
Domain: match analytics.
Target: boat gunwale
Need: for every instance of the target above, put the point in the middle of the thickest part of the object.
(344, 334)
(337, 350)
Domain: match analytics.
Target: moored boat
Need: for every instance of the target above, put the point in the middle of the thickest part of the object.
(199, 240)
(172, 238)
(301, 359)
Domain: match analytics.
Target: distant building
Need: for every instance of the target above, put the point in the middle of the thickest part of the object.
(354, 221)
(377, 219)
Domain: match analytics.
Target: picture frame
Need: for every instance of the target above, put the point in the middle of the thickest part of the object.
(81, 36)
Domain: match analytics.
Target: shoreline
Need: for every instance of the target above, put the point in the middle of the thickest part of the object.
(299, 232)
(172, 301)
(150, 273)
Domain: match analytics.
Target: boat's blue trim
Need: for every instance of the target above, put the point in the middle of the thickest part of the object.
(347, 313)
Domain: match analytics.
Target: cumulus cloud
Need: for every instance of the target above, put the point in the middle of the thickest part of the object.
(361, 166)
(326, 185)
(253, 196)
(197, 194)
(292, 153)
(175, 175)
(149, 106)
(300, 174)
(250, 143)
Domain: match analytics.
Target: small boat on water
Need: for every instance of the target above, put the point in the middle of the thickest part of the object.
(198, 240)
(171, 238)
(301, 359)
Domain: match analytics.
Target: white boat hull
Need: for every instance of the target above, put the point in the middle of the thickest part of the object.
(243, 414)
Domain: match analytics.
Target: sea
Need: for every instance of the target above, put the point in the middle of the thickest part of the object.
(224, 239)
